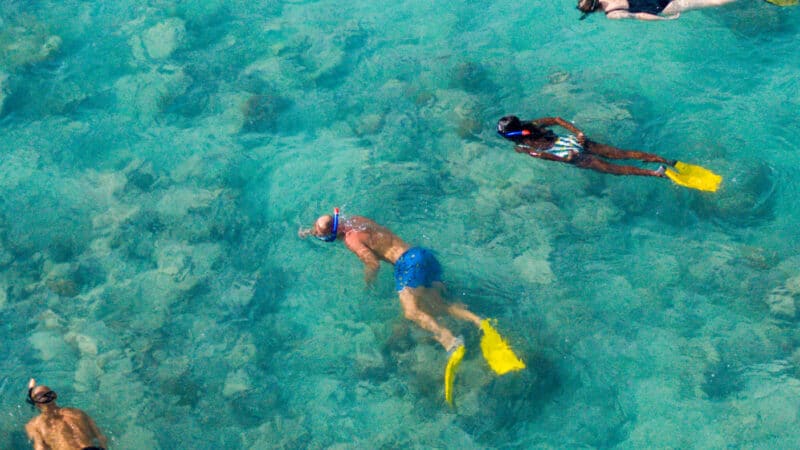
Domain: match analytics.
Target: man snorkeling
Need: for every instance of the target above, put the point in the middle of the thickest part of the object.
(537, 140)
(417, 273)
(59, 428)
(418, 281)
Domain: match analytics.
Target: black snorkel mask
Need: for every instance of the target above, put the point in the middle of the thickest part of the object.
(45, 398)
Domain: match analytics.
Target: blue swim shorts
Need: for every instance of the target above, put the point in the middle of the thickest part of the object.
(416, 267)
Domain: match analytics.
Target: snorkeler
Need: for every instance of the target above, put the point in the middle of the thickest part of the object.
(418, 281)
(59, 428)
(537, 140)
(417, 273)
(645, 9)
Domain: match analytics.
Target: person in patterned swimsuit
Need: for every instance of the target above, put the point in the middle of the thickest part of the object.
(536, 139)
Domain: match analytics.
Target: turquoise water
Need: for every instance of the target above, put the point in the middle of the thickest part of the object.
(159, 157)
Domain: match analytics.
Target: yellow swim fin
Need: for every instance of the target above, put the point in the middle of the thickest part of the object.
(694, 177)
(497, 352)
(450, 372)
(784, 2)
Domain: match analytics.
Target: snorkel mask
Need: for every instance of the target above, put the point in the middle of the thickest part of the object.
(514, 124)
(47, 397)
(334, 229)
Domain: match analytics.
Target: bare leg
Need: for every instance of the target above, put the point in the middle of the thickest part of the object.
(610, 152)
(409, 299)
(457, 310)
(676, 6)
(590, 162)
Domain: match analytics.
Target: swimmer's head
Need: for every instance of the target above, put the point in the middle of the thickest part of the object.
(508, 124)
(323, 225)
(326, 228)
(588, 6)
(40, 395)
(511, 128)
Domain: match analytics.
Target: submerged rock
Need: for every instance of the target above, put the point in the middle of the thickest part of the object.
(781, 303)
(594, 215)
(178, 201)
(147, 93)
(138, 437)
(86, 345)
(472, 77)
(261, 112)
(87, 374)
(236, 382)
(140, 175)
(243, 351)
(534, 267)
(180, 266)
(722, 380)
(64, 288)
(26, 42)
(240, 293)
(161, 40)
(793, 285)
(49, 344)
(50, 320)
(746, 194)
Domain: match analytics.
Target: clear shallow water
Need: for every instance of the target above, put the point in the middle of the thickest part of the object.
(158, 159)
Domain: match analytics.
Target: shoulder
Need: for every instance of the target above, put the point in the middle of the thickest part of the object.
(356, 237)
(73, 412)
(33, 423)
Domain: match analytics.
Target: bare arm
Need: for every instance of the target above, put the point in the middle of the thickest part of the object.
(550, 121)
(33, 435)
(639, 16)
(543, 155)
(371, 263)
(98, 434)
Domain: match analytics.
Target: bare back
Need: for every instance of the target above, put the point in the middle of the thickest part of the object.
(64, 429)
(362, 232)
(614, 5)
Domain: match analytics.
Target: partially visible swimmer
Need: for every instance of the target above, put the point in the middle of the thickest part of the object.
(59, 428)
(645, 9)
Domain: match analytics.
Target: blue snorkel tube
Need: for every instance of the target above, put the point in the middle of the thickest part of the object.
(510, 134)
(334, 229)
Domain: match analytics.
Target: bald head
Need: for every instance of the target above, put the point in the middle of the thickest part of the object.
(323, 225)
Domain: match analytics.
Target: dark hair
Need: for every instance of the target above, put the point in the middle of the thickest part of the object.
(508, 123)
(588, 6)
(511, 124)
